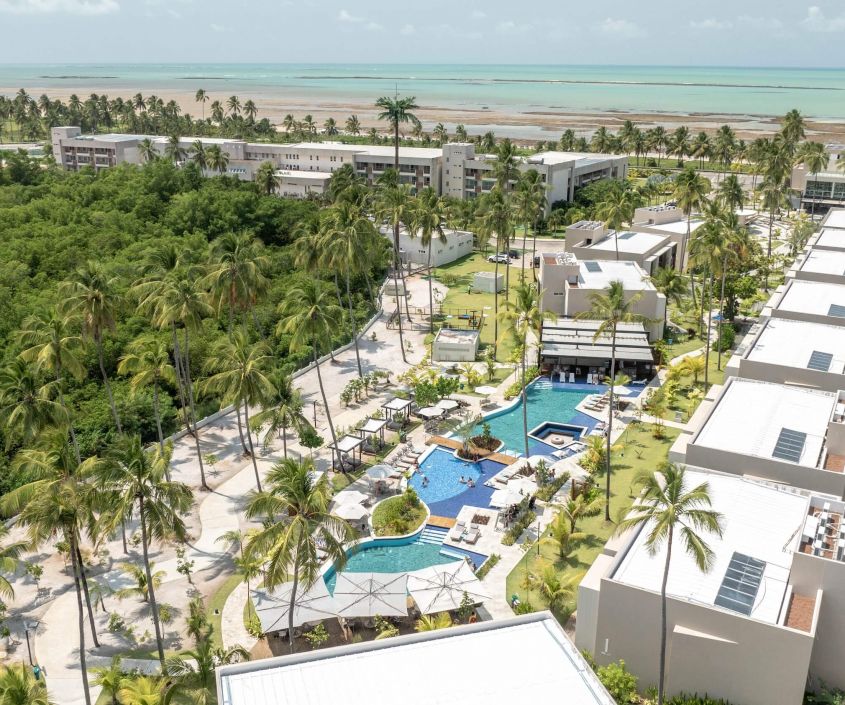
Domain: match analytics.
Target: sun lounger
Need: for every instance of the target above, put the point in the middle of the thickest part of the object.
(457, 531)
(472, 535)
(640, 382)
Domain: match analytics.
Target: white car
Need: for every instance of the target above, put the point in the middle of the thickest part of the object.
(501, 258)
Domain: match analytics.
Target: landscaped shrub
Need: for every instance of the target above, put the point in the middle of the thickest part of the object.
(488, 566)
(531, 373)
(696, 699)
(399, 515)
(619, 681)
(521, 524)
(547, 491)
(728, 337)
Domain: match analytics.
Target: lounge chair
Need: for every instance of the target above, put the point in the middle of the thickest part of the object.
(640, 382)
(472, 535)
(457, 531)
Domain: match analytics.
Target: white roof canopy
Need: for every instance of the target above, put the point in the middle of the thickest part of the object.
(372, 425)
(370, 594)
(310, 605)
(396, 404)
(441, 588)
(347, 444)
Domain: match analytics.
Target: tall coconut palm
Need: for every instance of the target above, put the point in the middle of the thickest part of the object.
(353, 125)
(428, 220)
(668, 510)
(142, 690)
(148, 361)
(218, 160)
(57, 503)
(310, 317)
(793, 127)
(198, 154)
(615, 211)
(19, 686)
(496, 219)
(202, 98)
(9, 562)
(291, 546)
(92, 296)
(672, 284)
(234, 105)
(522, 317)
(283, 410)
(612, 308)
(174, 150)
(146, 150)
(815, 157)
(27, 407)
(192, 673)
(266, 179)
(730, 193)
(690, 193)
(250, 110)
(239, 376)
(134, 478)
(506, 164)
(531, 202)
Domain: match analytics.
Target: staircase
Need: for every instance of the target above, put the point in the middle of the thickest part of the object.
(433, 534)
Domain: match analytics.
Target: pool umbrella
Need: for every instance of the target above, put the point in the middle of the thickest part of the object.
(430, 412)
(441, 588)
(525, 484)
(380, 472)
(621, 390)
(505, 498)
(350, 497)
(447, 404)
(311, 604)
(485, 390)
(351, 512)
(371, 594)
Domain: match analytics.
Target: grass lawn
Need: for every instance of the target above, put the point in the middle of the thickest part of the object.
(459, 276)
(682, 403)
(638, 451)
(216, 602)
(396, 516)
(344, 479)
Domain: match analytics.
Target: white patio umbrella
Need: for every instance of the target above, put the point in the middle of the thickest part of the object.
(447, 404)
(504, 498)
(351, 512)
(311, 604)
(441, 588)
(430, 412)
(380, 472)
(350, 497)
(522, 486)
(370, 594)
(485, 390)
(621, 390)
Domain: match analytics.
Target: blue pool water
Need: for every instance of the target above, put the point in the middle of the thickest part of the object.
(547, 401)
(443, 471)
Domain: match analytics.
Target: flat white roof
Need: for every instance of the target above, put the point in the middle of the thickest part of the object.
(678, 227)
(594, 274)
(749, 416)
(810, 297)
(824, 262)
(521, 660)
(758, 521)
(308, 175)
(635, 243)
(835, 218)
(792, 343)
(376, 150)
(582, 158)
(832, 238)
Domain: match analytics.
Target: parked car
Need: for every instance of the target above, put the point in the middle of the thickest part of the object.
(513, 254)
(501, 258)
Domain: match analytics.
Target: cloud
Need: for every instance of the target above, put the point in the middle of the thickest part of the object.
(69, 7)
(815, 21)
(711, 23)
(407, 30)
(511, 27)
(346, 17)
(217, 27)
(620, 27)
(767, 24)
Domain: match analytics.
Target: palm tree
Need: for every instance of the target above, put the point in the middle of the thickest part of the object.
(234, 105)
(218, 160)
(198, 154)
(330, 127)
(730, 193)
(291, 546)
(700, 148)
(793, 127)
(581, 507)
(266, 179)
(308, 124)
(250, 110)
(134, 477)
(310, 316)
(506, 165)
(148, 361)
(815, 157)
(110, 678)
(353, 125)
(283, 410)
(241, 379)
(672, 284)
(428, 219)
(668, 507)
(140, 584)
(92, 295)
(615, 211)
(26, 405)
(600, 141)
(142, 690)
(289, 122)
(18, 686)
(612, 308)
(433, 622)
(174, 150)
(56, 502)
(563, 535)
(192, 673)
(531, 203)
(496, 218)
(201, 97)
(690, 193)
(558, 592)
(146, 150)
(519, 318)
(9, 563)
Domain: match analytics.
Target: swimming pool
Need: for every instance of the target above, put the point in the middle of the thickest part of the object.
(443, 472)
(547, 401)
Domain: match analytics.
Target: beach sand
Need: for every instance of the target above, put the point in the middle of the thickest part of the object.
(522, 125)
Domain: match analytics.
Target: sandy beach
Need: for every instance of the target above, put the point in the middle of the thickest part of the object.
(519, 124)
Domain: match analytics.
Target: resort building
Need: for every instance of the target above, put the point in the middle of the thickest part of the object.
(785, 434)
(650, 251)
(785, 351)
(825, 188)
(801, 300)
(542, 665)
(568, 285)
(819, 266)
(570, 350)
(306, 167)
(828, 240)
(766, 619)
(454, 245)
(835, 218)
(668, 221)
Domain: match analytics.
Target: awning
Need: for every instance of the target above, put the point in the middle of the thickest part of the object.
(431, 412)
(373, 425)
(396, 404)
(346, 444)
(447, 404)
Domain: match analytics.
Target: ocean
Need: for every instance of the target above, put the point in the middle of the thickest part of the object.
(818, 93)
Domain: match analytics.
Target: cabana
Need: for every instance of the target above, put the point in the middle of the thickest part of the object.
(347, 446)
(397, 410)
(369, 430)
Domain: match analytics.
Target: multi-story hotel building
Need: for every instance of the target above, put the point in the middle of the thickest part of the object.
(825, 188)
(305, 168)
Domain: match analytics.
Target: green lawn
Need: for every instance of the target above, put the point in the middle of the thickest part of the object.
(637, 451)
(459, 276)
(216, 602)
(683, 403)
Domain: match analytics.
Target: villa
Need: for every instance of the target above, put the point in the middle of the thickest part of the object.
(650, 251)
(827, 187)
(568, 285)
(819, 265)
(785, 351)
(790, 435)
(305, 168)
(768, 616)
(813, 301)
(453, 245)
(448, 665)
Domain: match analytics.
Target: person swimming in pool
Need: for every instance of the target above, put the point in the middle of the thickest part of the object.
(463, 480)
(425, 482)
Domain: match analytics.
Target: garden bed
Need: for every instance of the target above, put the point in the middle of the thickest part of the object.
(399, 516)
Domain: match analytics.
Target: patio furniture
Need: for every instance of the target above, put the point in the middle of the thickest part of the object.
(441, 588)
(472, 535)
(457, 531)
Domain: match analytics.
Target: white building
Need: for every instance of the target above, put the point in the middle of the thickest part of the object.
(455, 665)
(764, 619)
(819, 266)
(827, 187)
(650, 251)
(818, 302)
(454, 245)
(790, 435)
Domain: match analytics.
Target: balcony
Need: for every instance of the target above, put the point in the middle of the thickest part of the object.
(824, 530)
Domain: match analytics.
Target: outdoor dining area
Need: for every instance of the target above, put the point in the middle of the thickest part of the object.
(359, 600)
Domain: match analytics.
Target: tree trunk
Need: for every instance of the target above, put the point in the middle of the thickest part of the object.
(180, 383)
(709, 329)
(721, 310)
(661, 678)
(292, 604)
(524, 397)
(241, 429)
(251, 449)
(495, 305)
(533, 253)
(157, 412)
(396, 267)
(73, 440)
(190, 387)
(84, 580)
(354, 332)
(99, 342)
(326, 405)
(80, 619)
(148, 573)
(522, 271)
(430, 293)
(285, 441)
(610, 423)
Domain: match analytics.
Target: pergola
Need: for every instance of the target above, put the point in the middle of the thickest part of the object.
(397, 409)
(348, 445)
(373, 427)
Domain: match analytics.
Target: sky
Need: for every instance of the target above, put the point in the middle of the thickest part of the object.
(674, 32)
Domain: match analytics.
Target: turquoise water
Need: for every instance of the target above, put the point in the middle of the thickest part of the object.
(547, 401)
(731, 90)
(443, 471)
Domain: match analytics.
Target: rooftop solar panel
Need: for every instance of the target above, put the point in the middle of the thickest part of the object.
(741, 583)
(790, 445)
(836, 310)
(820, 361)
(595, 267)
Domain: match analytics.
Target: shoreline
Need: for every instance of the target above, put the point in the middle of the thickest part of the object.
(522, 123)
